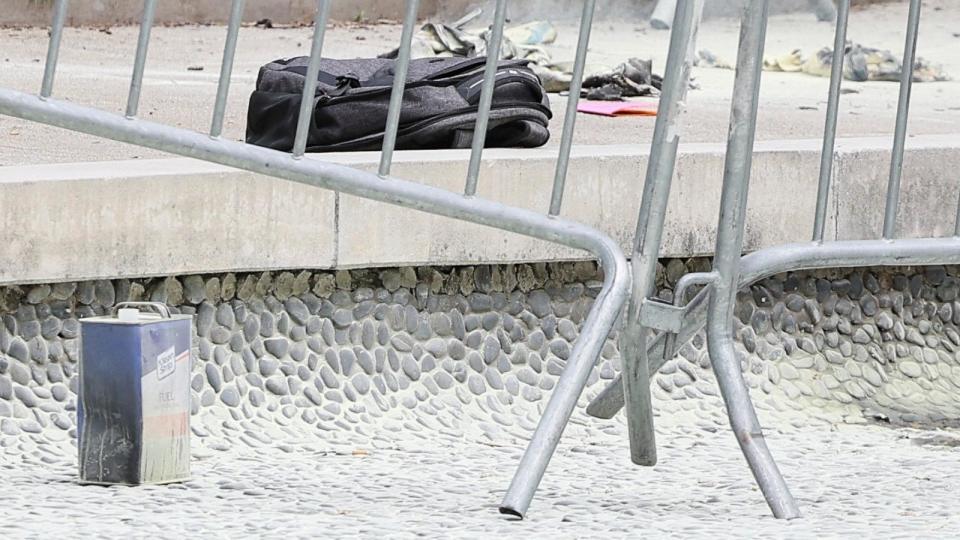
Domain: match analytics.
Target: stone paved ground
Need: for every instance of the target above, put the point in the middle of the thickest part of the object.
(850, 480)
(396, 403)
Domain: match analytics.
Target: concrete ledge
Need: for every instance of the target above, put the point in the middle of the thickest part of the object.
(175, 216)
(157, 217)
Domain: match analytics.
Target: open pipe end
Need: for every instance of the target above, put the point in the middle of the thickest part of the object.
(600, 408)
(787, 514)
(645, 458)
(510, 511)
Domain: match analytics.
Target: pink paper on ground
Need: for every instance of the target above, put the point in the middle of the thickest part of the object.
(617, 108)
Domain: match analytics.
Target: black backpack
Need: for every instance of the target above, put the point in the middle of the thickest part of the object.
(439, 104)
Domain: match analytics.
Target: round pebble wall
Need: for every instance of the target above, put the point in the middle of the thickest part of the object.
(475, 351)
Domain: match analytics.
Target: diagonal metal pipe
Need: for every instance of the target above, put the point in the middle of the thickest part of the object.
(416, 196)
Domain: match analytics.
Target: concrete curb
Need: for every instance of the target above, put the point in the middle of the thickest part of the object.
(134, 218)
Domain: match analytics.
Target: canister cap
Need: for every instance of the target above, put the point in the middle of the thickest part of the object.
(131, 311)
(128, 314)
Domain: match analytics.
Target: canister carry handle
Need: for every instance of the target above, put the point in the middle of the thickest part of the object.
(160, 308)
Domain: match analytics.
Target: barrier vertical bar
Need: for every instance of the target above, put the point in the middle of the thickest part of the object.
(830, 124)
(900, 132)
(649, 235)
(570, 117)
(486, 96)
(956, 224)
(143, 41)
(53, 48)
(396, 93)
(226, 67)
(726, 263)
(310, 80)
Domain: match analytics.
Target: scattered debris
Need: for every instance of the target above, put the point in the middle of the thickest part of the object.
(264, 23)
(631, 78)
(792, 61)
(870, 64)
(532, 33)
(706, 58)
(525, 42)
(860, 64)
(106, 30)
(356, 25)
(607, 92)
(618, 108)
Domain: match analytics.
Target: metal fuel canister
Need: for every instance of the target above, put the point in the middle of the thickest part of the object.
(133, 413)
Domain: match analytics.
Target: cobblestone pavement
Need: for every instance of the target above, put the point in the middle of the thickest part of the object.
(850, 480)
(396, 402)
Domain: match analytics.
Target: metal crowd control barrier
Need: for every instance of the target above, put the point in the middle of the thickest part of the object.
(643, 352)
(713, 305)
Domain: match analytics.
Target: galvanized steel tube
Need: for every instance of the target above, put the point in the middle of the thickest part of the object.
(570, 116)
(310, 79)
(730, 229)
(486, 96)
(649, 233)
(956, 224)
(143, 42)
(900, 132)
(570, 385)
(830, 127)
(53, 47)
(226, 67)
(848, 254)
(396, 93)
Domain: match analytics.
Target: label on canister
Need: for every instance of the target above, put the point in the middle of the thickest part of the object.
(166, 412)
